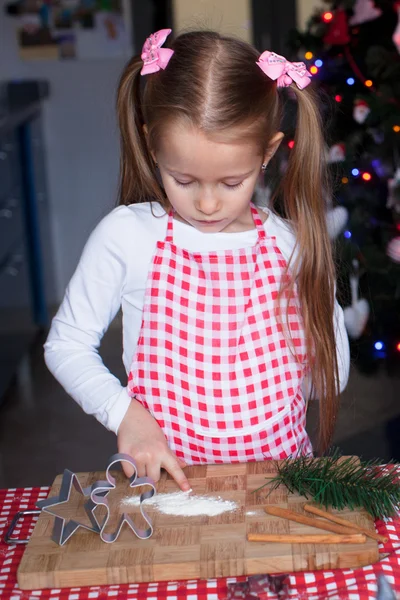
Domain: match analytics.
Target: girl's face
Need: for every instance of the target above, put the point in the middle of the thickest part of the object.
(210, 184)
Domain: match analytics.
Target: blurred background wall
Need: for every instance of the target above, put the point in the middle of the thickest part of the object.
(304, 8)
(233, 17)
(81, 142)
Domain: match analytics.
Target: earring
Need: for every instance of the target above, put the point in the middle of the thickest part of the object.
(263, 166)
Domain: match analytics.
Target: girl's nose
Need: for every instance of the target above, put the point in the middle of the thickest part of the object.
(207, 203)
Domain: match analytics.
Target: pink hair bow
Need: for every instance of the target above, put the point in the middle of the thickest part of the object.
(153, 56)
(277, 67)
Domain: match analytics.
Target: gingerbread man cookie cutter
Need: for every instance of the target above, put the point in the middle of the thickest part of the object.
(99, 496)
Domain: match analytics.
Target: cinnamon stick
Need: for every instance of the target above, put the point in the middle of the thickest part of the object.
(334, 518)
(311, 521)
(288, 538)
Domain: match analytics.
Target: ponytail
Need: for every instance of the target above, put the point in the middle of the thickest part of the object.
(138, 178)
(304, 187)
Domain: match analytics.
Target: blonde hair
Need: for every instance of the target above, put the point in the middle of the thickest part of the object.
(212, 82)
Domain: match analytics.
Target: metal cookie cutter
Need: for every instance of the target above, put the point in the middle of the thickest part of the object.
(98, 497)
(63, 530)
(8, 537)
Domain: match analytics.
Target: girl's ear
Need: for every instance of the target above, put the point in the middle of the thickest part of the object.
(146, 135)
(273, 146)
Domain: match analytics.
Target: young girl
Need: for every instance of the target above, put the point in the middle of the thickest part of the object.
(229, 311)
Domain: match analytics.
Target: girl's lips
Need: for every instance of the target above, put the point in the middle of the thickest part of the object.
(208, 222)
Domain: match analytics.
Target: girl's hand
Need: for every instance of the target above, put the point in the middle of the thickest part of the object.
(140, 436)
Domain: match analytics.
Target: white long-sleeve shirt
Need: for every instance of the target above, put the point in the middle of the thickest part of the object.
(112, 274)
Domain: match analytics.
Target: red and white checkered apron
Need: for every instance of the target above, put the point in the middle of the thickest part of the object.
(212, 364)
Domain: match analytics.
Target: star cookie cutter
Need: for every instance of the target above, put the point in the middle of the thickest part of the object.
(64, 528)
(100, 488)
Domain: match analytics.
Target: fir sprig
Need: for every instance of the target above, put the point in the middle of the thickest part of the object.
(339, 482)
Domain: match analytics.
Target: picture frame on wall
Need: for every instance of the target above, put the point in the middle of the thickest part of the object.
(72, 29)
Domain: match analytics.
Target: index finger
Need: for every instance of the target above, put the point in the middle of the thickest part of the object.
(171, 465)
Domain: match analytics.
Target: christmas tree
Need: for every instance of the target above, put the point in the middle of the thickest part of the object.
(352, 49)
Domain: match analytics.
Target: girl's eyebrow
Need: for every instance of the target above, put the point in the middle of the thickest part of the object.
(238, 176)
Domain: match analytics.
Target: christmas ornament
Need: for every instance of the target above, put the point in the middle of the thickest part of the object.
(337, 153)
(396, 34)
(356, 315)
(393, 200)
(338, 31)
(336, 219)
(393, 249)
(364, 10)
(361, 110)
(338, 482)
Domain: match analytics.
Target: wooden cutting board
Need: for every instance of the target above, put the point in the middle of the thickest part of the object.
(189, 547)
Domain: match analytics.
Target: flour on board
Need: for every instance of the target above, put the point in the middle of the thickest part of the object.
(185, 504)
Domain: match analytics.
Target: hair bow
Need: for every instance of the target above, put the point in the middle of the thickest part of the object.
(277, 67)
(153, 56)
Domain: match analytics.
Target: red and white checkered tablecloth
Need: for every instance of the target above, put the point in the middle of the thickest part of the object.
(349, 584)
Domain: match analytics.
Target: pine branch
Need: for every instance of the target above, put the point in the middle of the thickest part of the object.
(337, 482)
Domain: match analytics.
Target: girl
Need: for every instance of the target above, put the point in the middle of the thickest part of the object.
(229, 311)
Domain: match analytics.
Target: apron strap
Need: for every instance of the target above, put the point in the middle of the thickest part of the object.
(169, 235)
(258, 223)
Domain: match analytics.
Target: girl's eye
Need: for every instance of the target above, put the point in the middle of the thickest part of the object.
(235, 186)
(182, 183)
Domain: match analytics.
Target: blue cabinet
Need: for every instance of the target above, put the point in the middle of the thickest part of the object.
(26, 266)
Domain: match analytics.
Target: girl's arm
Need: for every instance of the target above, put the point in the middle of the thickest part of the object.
(91, 302)
(92, 299)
